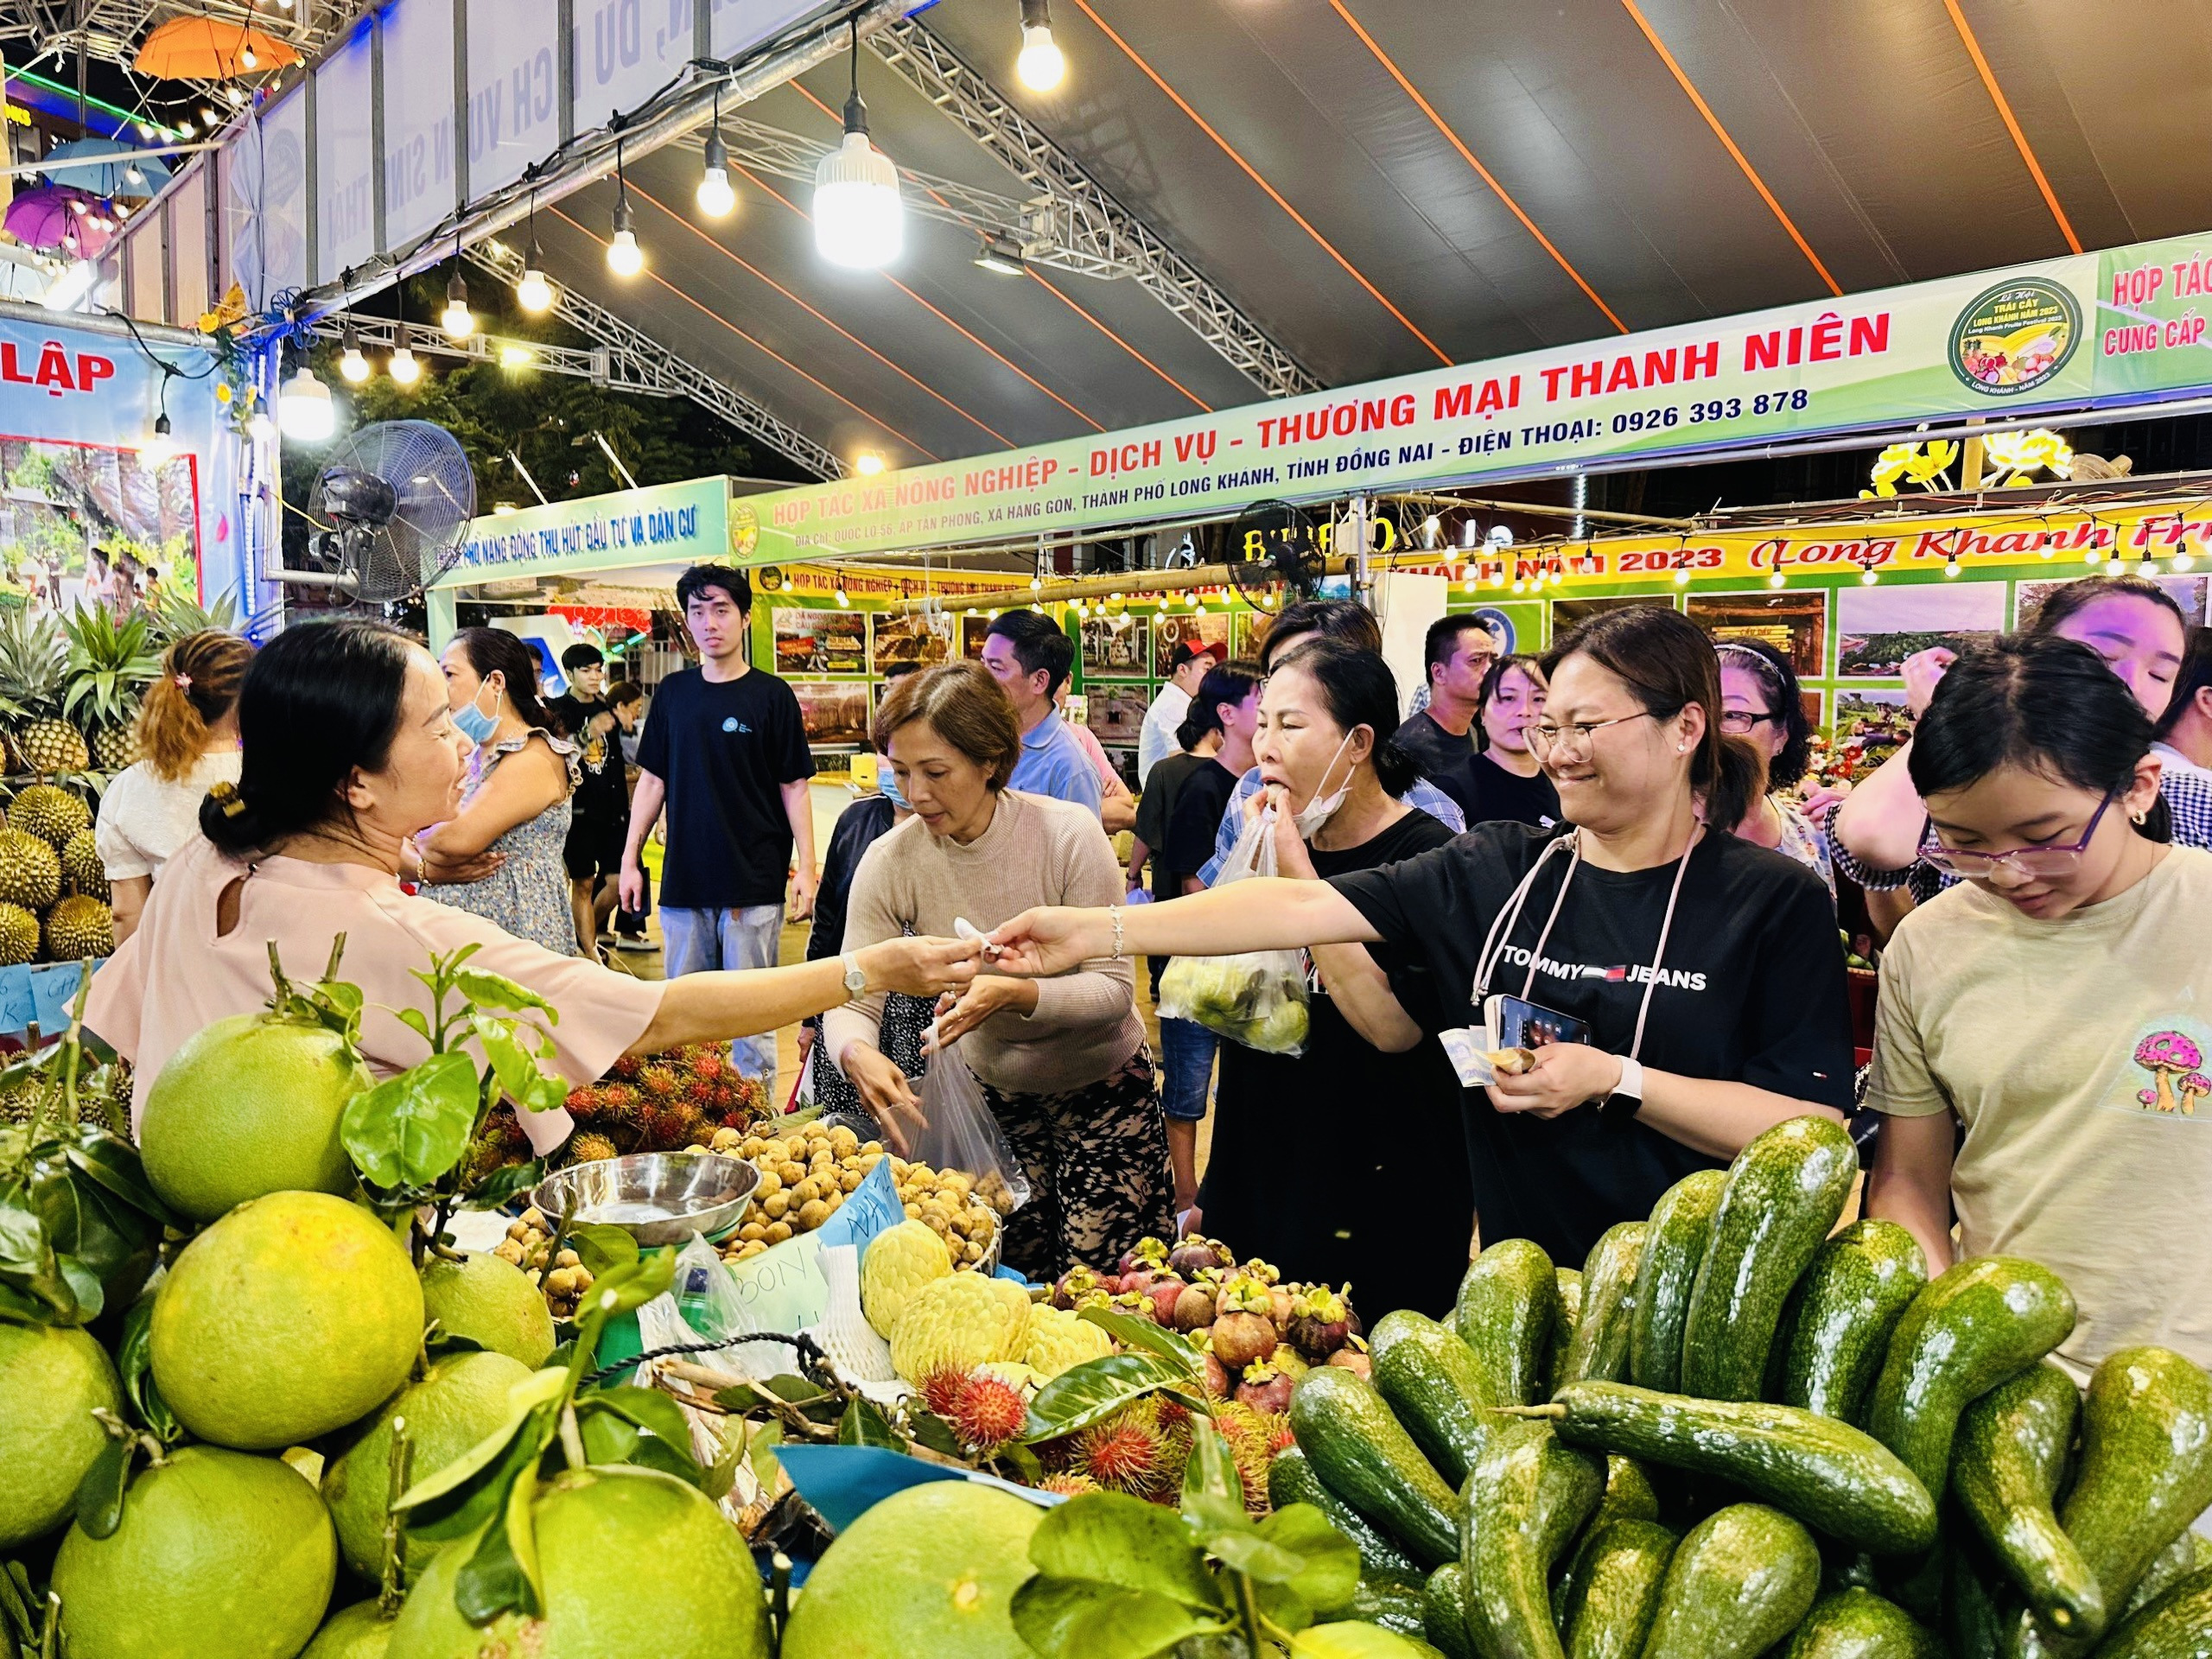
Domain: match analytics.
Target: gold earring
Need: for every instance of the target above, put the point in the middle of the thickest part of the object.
(2137, 818)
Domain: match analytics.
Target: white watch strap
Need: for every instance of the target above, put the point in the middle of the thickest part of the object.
(855, 977)
(1631, 1083)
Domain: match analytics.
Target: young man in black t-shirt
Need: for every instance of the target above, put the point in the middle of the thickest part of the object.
(1458, 653)
(599, 822)
(725, 751)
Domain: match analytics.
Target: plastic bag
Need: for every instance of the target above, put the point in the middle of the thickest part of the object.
(1257, 998)
(962, 1133)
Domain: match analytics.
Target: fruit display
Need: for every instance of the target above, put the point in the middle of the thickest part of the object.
(808, 1171)
(34, 684)
(1750, 1431)
(560, 1274)
(665, 1103)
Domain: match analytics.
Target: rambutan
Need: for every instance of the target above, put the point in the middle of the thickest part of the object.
(990, 1412)
(1072, 1486)
(699, 1092)
(1251, 1439)
(708, 1063)
(626, 1067)
(658, 1080)
(1122, 1453)
(587, 1102)
(619, 1097)
(944, 1389)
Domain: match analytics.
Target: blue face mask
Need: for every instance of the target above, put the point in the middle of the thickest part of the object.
(887, 782)
(473, 723)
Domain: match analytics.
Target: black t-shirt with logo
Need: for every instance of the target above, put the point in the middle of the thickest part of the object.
(724, 748)
(603, 796)
(1751, 990)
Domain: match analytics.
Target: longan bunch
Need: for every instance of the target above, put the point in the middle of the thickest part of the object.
(562, 1278)
(952, 1205)
(804, 1178)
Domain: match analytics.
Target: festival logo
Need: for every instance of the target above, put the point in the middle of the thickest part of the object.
(744, 529)
(2015, 336)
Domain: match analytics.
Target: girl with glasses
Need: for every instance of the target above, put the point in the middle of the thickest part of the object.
(2087, 1134)
(1760, 701)
(1706, 970)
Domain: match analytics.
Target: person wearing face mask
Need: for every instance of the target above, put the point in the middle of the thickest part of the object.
(2140, 630)
(1760, 701)
(1501, 779)
(1707, 970)
(1336, 779)
(515, 803)
(349, 751)
(2086, 1143)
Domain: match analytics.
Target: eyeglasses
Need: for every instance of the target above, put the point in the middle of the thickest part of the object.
(2026, 861)
(1742, 723)
(1576, 733)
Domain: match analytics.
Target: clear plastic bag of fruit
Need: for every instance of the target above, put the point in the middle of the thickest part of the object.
(1257, 998)
(961, 1134)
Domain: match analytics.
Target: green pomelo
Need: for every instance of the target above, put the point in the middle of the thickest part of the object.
(463, 1399)
(355, 1632)
(292, 1315)
(50, 1380)
(219, 1556)
(249, 1106)
(491, 1302)
(634, 1561)
(930, 1570)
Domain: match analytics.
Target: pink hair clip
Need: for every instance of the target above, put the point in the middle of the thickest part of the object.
(184, 682)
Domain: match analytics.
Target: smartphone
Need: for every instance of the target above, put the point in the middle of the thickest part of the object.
(1516, 1022)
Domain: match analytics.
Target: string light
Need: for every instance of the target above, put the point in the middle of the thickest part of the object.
(867, 463)
(402, 367)
(533, 293)
(457, 320)
(1777, 580)
(1682, 575)
(161, 447)
(715, 198)
(1951, 569)
(2183, 560)
(2148, 568)
(623, 256)
(1041, 66)
(352, 365)
(843, 603)
(1868, 576)
(304, 409)
(859, 220)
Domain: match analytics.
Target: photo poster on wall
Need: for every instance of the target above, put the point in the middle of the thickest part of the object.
(1115, 712)
(821, 642)
(1793, 623)
(833, 711)
(1116, 647)
(1869, 724)
(911, 641)
(1877, 629)
(1199, 627)
(974, 630)
(2188, 593)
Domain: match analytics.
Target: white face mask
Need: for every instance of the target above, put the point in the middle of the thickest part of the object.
(1322, 807)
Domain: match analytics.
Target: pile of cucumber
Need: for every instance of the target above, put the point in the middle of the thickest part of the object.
(1736, 1430)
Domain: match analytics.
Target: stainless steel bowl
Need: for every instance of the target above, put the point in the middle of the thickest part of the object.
(658, 1197)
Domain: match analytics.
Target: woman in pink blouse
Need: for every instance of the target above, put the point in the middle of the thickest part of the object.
(349, 754)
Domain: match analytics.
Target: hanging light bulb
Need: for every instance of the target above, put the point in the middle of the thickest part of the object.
(259, 426)
(1682, 576)
(1951, 569)
(843, 603)
(867, 463)
(304, 409)
(351, 364)
(2183, 560)
(2148, 568)
(1431, 531)
(1869, 576)
(457, 320)
(402, 367)
(859, 220)
(160, 448)
(248, 57)
(1777, 580)
(715, 198)
(623, 256)
(1041, 66)
(533, 293)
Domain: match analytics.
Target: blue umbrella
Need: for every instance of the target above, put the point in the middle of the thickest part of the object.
(105, 167)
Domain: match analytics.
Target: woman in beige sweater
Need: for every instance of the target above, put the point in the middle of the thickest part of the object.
(1063, 1061)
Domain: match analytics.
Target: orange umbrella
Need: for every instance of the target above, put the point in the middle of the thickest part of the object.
(203, 49)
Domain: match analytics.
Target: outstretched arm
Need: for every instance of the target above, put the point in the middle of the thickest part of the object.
(1264, 913)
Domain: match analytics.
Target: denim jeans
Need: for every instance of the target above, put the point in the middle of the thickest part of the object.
(1186, 1052)
(703, 941)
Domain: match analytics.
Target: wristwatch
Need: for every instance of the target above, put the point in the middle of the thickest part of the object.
(1627, 1098)
(856, 975)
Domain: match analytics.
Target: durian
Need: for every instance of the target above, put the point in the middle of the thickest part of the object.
(78, 927)
(30, 871)
(52, 813)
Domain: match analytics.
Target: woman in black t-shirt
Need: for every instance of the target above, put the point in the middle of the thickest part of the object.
(1325, 724)
(1504, 778)
(1708, 970)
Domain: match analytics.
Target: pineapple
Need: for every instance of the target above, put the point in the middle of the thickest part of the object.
(81, 866)
(50, 812)
(33, 680)
(30, 871)
(78, 927)
(18, 935)
(111, 664)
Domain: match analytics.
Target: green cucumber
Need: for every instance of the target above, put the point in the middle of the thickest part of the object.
(1513, 1516)
(1444, 1611)
(1743, 1579)
(1681, 1222)
(1828, 1474)
(2007, 1464)
(1566, 1318)
(1609, 1613)
(2146, 1464)
(1291, 1480)
(2174, 1562)
(1504, 1313)
(1436, 1386)
(1835, 1329)
(1983, 1320)
(1783, 1195)
(2177, 1626)
(1860, 1624)
(1394, 1607)
(1628, 1497)
(1362, 1455)
(1598, 1352)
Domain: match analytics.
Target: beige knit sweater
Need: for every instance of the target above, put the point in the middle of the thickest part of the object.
(1035, 852)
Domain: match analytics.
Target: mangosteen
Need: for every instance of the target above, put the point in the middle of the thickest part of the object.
(1149, 1253)
(1216, 1374)
(1264, 1388)
(1071, 1286)
(1239, 1339)
(1193, 1307)
(1280, 1308)
(1317, 1326)
(1165, 1293)
(1195, 1255)
(1139, 1280)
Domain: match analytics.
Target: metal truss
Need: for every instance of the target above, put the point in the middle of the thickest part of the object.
(1033, 226)
(112, 29)
(602, 366)
(1084, 218)
(637, 362)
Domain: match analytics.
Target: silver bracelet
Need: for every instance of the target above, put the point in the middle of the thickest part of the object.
(1114, 915)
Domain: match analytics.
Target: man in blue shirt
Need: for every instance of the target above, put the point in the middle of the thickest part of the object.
(1029, 656)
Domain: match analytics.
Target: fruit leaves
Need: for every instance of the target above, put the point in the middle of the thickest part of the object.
(1143, 1333)
(1124, 1541)
(1351, 1640)
(410, 1129)
(1078, 1618)
(1096, 1389)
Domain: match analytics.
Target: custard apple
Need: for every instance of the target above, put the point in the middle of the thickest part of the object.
(958, 1322)
(1058, 1340)
(899, 1260)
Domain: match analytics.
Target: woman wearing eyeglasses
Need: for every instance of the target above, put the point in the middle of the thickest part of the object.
(1760, 701)
(1705, 971)
(2087, 1137)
